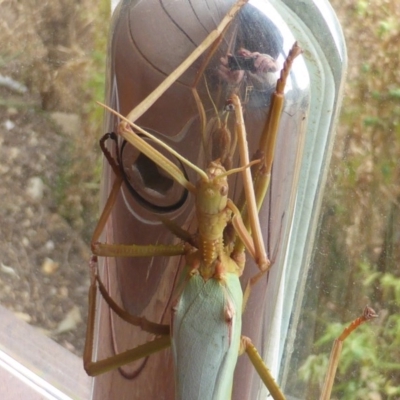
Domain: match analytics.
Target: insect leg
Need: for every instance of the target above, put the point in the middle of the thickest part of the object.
(266, 148)
(94, 368)
(367, 315)
(262, 370)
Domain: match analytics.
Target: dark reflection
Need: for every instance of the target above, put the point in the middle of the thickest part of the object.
(152, 176)
(148, 183)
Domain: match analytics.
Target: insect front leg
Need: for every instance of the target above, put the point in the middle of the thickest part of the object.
(261, 173)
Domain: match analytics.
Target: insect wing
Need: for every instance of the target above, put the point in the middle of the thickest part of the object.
(206, 333)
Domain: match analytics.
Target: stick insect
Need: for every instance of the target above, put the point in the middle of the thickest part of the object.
(221, 269)
(206, 272)
(211, 291)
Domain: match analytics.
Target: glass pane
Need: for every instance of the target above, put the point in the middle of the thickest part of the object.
(149, 40)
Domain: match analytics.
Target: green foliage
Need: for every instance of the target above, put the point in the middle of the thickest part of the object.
(360, 229)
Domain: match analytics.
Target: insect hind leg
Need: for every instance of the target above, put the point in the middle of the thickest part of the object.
(247, 346)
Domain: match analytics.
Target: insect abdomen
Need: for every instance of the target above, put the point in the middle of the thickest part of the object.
(205, 338)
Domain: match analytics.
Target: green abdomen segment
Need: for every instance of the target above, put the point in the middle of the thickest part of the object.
(206, 330)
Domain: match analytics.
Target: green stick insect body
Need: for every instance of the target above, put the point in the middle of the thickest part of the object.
(205, 331)
(206, 321)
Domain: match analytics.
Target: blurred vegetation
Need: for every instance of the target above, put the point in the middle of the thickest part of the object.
(53, 51)
(57, 49)
(357, 252)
